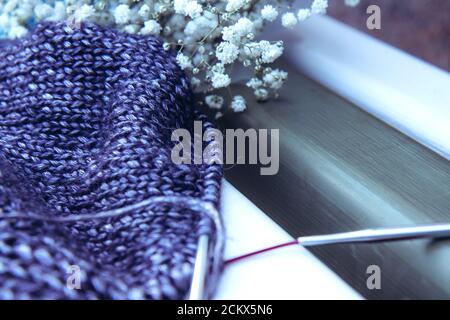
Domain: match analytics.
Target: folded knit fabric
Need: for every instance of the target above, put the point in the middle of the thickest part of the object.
(86, 117)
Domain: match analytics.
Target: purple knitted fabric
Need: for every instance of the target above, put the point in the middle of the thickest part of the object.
(86, 117)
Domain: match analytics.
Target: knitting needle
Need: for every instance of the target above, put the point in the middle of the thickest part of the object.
(360, 236)
(382, 234)
(200, 269)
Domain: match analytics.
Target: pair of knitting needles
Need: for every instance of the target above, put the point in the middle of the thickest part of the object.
(360, 236)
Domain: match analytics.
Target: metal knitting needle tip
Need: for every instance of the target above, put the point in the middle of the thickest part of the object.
(382, 234)
(200, 269)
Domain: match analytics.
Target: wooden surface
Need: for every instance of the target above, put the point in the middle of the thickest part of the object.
(420, 27)
(341, 170)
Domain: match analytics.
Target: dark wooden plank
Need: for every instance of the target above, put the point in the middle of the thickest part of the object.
(342, 169)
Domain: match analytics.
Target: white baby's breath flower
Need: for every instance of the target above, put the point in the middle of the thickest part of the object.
(59, 12)
(24, 11)
(4, 20)
(131, 28)
(234, 5)
(17, 31)
(183, 61)
(238, 104)
(230, 35)
(252, 50)
(189, 8)
(319, 6)
(220, 80)
(176, 22)
(288, 20)
(200, 27)
(243, 26)
(258, 23)
(254, 83)
(214, 101)
(261, 94)
(151, 27)
(180, 6)
(270, 52)
(8, 6)
(275, 79)
(160, 7)
(227, 52)
(303, 14)
(83, 13)
(269, 13)
(43, 11)
(122, 14)
(193, 9)
(236, 32)
(144, 11)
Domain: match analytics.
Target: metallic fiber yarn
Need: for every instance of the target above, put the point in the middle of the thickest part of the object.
(86, 116)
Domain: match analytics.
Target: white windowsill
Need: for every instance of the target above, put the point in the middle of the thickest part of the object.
(398, 88)
(287, 273)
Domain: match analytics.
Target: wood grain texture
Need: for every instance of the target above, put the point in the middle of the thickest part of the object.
(340, 170)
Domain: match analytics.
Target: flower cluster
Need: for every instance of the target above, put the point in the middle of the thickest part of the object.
(209, 36)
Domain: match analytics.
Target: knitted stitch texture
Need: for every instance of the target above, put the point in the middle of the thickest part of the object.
(86, 116)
